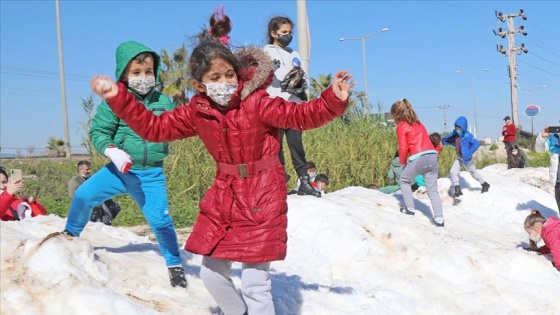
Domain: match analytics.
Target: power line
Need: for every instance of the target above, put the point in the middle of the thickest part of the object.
(44, 72)
(530, 65)
(9, 70)
(550, 34)
(534, 42)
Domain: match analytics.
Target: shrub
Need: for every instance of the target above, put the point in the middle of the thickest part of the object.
(351, 153)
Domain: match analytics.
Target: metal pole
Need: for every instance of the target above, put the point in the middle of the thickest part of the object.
(512, 73)
(474, 106)
(62, 82)
(365, 70)
(363, 39)
(303, 32)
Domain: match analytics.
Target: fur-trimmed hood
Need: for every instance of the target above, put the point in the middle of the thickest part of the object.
(256, 69)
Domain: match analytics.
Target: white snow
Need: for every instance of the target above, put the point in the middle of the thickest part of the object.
(350, 252)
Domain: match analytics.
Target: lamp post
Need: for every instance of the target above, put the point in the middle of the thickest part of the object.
(532, 94)
(363, 39)
(473, 76)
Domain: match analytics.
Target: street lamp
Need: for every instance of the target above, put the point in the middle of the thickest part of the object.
(532, 91)
(473, 76)
(363, 39)
(532, 94)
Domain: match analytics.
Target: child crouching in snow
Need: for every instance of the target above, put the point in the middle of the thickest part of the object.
(548, 230)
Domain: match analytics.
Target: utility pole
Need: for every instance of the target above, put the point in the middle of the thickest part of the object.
(511, 51)
(444, 107)
(62, 83)
(303, 37)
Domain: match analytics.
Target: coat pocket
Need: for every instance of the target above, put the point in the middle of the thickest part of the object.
(209, 228)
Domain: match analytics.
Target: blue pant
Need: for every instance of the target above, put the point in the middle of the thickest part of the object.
(146, 187)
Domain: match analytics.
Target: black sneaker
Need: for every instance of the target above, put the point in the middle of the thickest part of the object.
(442, 224)
(458, 191)
(485, 187)
(305, 188)
(177, 277)
(406, 211)
(65, 232)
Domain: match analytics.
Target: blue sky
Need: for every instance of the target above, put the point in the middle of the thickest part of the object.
(427, 42)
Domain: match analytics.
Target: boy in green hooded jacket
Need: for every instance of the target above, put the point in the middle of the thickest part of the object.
(136, 166)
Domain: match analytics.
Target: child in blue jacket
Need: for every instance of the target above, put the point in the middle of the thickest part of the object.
(465, 146)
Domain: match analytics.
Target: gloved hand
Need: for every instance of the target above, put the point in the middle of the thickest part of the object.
(120, 158)
(24, 211)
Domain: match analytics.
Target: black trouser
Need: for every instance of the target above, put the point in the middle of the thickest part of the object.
(295, 144)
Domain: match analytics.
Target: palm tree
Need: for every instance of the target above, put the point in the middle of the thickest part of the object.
(87, 105)
(319, 84)
(55, 146)
(174, 75)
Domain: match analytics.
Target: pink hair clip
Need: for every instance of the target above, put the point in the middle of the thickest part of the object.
(225, 40)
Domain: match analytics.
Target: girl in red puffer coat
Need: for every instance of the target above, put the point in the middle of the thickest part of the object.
(242, 217)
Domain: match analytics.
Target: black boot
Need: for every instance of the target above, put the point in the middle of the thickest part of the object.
(177, 277)
(458, 191)
(485, 187)
(305, 187)
(406, 211)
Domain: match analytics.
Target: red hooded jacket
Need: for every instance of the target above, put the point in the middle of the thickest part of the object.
(241, 218)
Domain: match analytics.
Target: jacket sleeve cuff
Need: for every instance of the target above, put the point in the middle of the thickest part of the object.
(335, 104)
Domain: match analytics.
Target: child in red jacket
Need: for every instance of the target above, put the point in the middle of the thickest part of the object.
(419, 156)
(548, 230)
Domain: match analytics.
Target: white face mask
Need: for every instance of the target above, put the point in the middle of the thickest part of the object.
(221, 93)
(142, 85)
(514, 152)
(535, 238)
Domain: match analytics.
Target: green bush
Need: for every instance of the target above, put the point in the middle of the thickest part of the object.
(535, 159)
(493, 147)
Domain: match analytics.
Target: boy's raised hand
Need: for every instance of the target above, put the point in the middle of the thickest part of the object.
(340, 85)
(104, 86)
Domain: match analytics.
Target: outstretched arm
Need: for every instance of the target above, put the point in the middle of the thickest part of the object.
(280, 113)
(171, 125)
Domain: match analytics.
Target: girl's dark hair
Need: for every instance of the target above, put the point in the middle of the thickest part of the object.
(274, 25)
(203, 55)
(530, 221)
(220, 26)
(3, 172)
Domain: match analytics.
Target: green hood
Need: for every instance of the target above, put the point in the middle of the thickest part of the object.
(127, 51)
